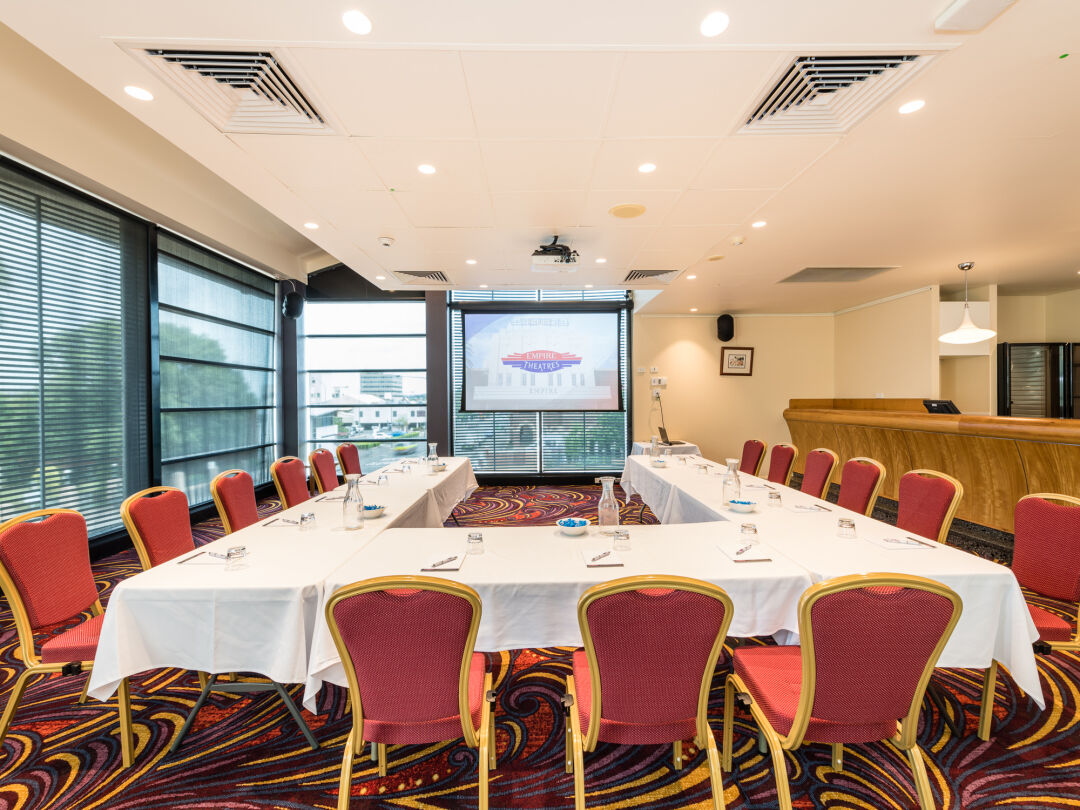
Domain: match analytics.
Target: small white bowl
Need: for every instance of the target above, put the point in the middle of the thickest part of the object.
(437, 468)
(742, 506)
(659, 462)
(573, 526)
(373, 511)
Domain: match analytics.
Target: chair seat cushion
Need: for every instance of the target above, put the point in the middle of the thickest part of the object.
(77, 644)
(1051, 627)
(446, 728)
(773, 676)
(612, 731)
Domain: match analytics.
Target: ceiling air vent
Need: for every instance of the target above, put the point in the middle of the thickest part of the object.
(237, 91)
(830, 94)
(833, 275)
(639, 276)
(422, 276)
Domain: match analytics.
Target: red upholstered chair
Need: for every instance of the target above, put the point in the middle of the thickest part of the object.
(323, 470)
(45, 575)
(234, 496)
(753, 453)
(349, 459)
(290, 481)
(407, 646)
(860, 483)
(817, 475)
(926, 503)
(782, 462)
(643, 679)
(869, 645)
(159, 524)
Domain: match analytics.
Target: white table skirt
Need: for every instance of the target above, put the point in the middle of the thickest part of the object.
(995, 623)
(530, 580)
(642, 448)
(261, 619)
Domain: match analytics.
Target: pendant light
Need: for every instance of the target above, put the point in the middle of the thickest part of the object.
(967, 331)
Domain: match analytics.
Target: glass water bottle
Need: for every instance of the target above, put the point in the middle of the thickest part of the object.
(608, 509)
(432, 454)
(353, 505)
(732, 485)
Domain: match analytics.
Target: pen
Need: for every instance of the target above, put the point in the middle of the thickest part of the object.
(192, 557)
(275, 520)
(600, 556)
(744, 549)
(444, 562)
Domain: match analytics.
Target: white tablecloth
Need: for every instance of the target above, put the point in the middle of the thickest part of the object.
(197, 615)
(530, 579)
(995, 623)
(642, 448)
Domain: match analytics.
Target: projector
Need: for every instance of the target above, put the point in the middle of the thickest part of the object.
(554, 258)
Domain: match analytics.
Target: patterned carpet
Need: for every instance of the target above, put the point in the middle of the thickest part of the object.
(245, 753)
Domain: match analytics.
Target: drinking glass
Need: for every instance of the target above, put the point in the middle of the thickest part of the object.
(775, 500)
(622, 540)
(476, 543)
(845, 528)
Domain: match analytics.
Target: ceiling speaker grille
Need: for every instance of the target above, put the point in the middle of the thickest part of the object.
(237, 91)
(422, 276)
(830, 94)
(637, 276)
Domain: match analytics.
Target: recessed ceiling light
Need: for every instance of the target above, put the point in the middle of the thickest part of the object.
(380, 278)
(627, 210)
(483, 286)
(715, 257)
(470, 261)
(425, 168)
(357, 22)
(759, 224)
(715, 24)
(139, 93)
(647, 168)
(601, 260)
(691, 277)
(588, 286)
(693, 309)
(911, 106)
(311, 226)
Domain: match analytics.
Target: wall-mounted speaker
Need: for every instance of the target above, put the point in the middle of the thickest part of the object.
(725, 327)
(292, 305)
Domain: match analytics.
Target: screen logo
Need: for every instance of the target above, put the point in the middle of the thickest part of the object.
(541, 361)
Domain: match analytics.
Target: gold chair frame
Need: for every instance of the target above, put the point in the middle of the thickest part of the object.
(340, 460)
(872, 500)
(828, 478)
(277, 481)
(129, 522)
(791, 466)
(950, 513)
(217, 497)
(907, 728)
(576, 746)
(314, 470)
(482, 738)
(31, 659)
(761, 459)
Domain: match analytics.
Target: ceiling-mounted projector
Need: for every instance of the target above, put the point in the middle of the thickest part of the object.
(554, 258)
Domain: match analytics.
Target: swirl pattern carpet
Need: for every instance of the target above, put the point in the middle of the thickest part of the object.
(244, 751)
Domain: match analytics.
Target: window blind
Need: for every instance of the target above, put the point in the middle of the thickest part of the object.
(73, 382)
(217, 327)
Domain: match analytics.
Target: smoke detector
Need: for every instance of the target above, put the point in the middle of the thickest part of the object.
(386, 241)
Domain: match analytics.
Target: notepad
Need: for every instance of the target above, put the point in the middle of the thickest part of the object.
(445, 563)
(600, 557)
(731, 546)
(898, 543)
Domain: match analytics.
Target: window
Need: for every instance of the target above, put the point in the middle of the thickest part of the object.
(218, 360)
(363, 378)
(73, 380)
(536, 442)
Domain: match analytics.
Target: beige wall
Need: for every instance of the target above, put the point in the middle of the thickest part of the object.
(966, 381)
(889, 348)
(793, 357)
(1021, 318)
(1063, 317)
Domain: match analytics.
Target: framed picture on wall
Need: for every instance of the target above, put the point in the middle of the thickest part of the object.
(737, 361)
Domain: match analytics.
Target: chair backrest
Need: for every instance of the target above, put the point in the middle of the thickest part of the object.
(753, 453)
(323, 470)
(817, 474)
(860, 483)
(348, 457)
(45, 571)
(869, 644)
(782, 462)
(648, 671)
(407, 643)
(290, 481)
(234, 496)
(159, 524)
(1046, 550)
(926, 503)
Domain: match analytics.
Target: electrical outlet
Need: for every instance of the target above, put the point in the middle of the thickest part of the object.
(658, 381)
(641, 369)
(656, 395)
(653, 369)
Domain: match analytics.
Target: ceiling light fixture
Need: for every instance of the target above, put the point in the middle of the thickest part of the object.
(693, 309)
(647, 168)
(380, 278)
(311, 226)
(602, 260)
(715, 24)
(759, 224)
(588, 286)
(357, 22)
(967, 331)
(911, 106)
(425, 168)
(691, 277)
(139, 93)
(470, 261)
(483, 286)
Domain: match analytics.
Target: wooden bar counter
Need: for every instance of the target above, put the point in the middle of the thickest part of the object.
(998, 459)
